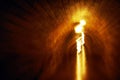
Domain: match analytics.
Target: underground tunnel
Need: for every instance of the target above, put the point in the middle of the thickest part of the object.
(38, 41)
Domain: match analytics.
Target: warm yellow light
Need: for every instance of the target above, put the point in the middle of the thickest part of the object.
(80, 66)
(82, 22)
(79, 27)
(80, 42)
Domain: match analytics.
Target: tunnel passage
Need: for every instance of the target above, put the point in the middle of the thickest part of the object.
(37, 41)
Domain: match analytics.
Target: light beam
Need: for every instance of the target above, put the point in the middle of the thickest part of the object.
(80, 60)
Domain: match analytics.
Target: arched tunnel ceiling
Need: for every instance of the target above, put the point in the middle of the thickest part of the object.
(37, 39)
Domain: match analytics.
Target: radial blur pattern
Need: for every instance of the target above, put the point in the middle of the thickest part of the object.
(38, 42)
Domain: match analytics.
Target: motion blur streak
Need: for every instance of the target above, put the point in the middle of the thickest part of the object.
(80, 62)
(81, 67)
(83, 62)
(78, 68)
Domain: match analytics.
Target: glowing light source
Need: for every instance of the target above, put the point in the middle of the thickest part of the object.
(82, 22)
(79, 28)
(80, 65)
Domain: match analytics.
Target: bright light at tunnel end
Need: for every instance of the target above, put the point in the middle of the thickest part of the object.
(79, 27)
(83, 22)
